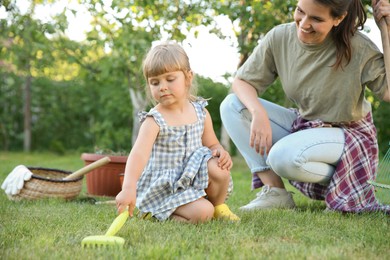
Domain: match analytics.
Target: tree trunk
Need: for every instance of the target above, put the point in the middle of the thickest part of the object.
(139, 103)
(27, 114)
(5, 137)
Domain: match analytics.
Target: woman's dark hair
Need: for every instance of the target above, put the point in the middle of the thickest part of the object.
(354, 20)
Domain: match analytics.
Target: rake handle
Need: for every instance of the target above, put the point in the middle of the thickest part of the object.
(118, 223)
(386, 49)
(88, 168)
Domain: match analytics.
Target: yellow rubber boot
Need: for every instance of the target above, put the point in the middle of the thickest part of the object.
(223, 212)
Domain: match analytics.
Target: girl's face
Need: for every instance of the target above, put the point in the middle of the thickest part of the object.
(314, 21)
(170, 88)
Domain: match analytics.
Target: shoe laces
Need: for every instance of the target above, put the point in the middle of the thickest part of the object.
(264, 191)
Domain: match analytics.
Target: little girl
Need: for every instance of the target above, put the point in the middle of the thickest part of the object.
(177, 168)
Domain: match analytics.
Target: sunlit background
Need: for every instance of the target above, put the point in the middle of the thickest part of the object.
(210, 56)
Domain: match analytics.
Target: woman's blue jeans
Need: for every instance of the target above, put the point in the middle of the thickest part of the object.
(307, 156)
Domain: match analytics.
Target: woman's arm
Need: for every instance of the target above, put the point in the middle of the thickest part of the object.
(261, 133)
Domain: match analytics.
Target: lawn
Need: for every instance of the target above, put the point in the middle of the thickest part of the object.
(53, 229)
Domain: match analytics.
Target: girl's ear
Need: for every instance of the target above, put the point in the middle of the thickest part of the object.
(189, 77)
(190, 74)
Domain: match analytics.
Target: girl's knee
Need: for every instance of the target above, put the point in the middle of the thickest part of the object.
(204, 213)
(207, 212)
(197, 211)
(216, 173)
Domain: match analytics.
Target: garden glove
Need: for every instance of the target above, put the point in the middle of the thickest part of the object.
(14, 182)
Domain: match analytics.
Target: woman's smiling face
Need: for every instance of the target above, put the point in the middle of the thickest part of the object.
(314, 21)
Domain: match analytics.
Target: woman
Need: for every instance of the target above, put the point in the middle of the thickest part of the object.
(327, 148)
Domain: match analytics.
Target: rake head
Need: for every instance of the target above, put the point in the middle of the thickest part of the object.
(109, 239)
(102, 241)
(382, 181)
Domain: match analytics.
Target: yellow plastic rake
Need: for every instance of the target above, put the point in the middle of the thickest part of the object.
(109, 239)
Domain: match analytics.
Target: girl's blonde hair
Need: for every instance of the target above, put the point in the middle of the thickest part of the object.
(168, 57)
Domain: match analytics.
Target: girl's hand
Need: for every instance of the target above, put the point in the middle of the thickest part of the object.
(261, 134)
(224, 159)
(126, 199)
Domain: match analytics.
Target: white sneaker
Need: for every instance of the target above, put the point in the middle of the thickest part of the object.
(270, 198)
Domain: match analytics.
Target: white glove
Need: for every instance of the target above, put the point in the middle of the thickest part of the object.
(14, 182)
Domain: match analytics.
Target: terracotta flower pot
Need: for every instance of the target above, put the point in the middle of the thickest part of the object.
(105, 180)
(121, 178)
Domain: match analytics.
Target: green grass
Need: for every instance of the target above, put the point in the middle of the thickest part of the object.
(53, 229)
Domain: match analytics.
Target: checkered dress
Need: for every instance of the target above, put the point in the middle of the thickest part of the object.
(176, 173)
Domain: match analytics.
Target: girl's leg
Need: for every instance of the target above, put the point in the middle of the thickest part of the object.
(218, 183)
(198, 211)
(309, 155)
(217, 190)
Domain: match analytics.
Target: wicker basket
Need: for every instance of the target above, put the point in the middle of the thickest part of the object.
(49, 183)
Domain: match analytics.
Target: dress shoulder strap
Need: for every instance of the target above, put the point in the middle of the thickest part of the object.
(199, 105)
(142, 115)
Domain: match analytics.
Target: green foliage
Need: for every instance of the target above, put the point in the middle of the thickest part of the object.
(71, 115)
(62, 112)
(11, 108)
(215, 92)
(382, 123)
(254, 19)
(80, 90)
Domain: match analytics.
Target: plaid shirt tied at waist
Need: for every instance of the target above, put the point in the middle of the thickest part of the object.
(348, 190)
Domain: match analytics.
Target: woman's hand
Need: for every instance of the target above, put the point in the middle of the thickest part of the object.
(261, 134)
(381, 9)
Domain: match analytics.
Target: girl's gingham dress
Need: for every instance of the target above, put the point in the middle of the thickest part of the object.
(176, 173)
